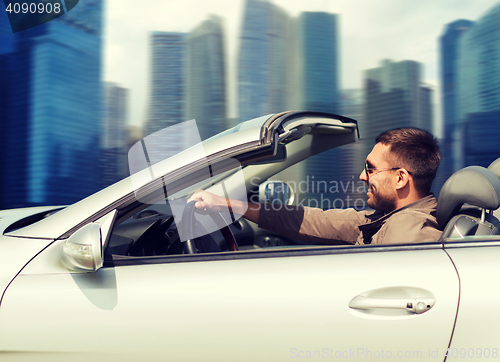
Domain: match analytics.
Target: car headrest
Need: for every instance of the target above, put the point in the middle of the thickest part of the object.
(495, 167)
(473, 185)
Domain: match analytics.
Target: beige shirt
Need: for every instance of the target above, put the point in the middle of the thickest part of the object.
(415, 222)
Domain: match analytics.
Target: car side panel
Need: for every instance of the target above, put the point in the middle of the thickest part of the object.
(266, 309)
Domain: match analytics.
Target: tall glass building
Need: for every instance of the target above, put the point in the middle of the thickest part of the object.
(54, 128)
(479, 138)
(167, 99)
(395, 97)
(6, 35)
(166, 83)
(352, 105)
(316, 66)
(448, 44)
(114, 135)
(317, 61)
(478, 85)
(448, 51)
(264, 60)
(6, 49)
(206, 77)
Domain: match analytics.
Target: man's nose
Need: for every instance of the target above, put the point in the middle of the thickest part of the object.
(363, 176)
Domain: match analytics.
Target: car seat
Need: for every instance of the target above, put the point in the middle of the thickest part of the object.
(466, 203)
(495, 168)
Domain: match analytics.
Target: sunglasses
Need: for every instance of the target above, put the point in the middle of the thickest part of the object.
(371, 170)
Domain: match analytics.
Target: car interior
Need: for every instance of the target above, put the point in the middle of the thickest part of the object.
(468, 206)
(153, 232)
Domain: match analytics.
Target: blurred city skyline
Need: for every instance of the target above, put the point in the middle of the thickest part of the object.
(369, 32)
(67, 129)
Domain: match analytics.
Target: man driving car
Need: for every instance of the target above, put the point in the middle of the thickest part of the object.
(398, 173)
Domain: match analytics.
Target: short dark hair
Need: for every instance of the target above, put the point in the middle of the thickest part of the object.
(415, 150)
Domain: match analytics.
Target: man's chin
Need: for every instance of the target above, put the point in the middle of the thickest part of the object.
(377, 203)
(370, 202)
(381, 205)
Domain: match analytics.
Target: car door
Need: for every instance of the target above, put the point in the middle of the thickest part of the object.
(268, 305)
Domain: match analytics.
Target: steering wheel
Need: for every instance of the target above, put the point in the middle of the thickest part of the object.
(188, 222)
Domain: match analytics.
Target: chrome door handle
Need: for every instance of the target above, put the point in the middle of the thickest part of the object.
(414, 305)
(397, 300)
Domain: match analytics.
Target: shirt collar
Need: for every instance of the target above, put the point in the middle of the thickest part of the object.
(425, 203)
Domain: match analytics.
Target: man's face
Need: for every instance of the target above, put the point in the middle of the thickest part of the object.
(380, 180)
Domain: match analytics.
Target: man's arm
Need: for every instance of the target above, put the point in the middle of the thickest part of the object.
(306, 224)
(207, 202)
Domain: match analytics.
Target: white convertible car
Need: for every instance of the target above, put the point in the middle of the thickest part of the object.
(132, 273)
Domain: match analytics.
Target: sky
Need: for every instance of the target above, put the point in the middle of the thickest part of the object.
(369, 31)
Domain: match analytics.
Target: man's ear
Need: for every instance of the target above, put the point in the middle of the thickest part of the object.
(402, 178)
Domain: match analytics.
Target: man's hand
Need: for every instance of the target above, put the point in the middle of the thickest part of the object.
(207, 202)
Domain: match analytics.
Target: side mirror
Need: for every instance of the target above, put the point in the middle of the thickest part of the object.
(83, 249)
(276, 192)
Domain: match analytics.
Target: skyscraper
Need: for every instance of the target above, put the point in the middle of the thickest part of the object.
(167, 100)
(6, 35)
(478, 87)
(479, 138)
(353, 156)
(115, 116)
(115, 136)
(448, 43)
(316, 66)
(54, 127)
(206, 77)
(317, 62)
(395, 97)
(166, 83)
(263, 60)
(6, 49)
(352, 105)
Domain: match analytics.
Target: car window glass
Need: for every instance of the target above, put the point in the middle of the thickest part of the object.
(151, 229)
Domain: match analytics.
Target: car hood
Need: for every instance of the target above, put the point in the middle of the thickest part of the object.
(254, 139)
(15, 253)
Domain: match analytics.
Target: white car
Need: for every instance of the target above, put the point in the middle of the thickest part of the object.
(113, 278)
